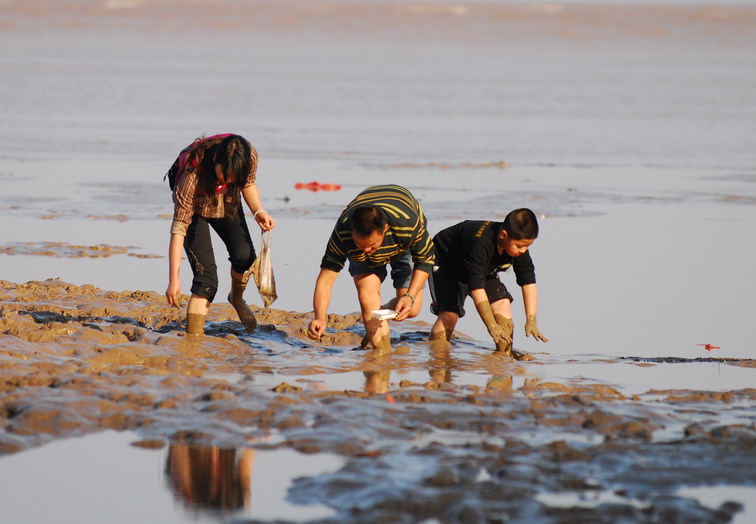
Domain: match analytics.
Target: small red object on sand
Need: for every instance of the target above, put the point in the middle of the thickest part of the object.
(317, 186)
(708, 347)
(390, 399)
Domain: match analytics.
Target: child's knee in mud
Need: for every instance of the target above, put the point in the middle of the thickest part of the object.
(502, 307)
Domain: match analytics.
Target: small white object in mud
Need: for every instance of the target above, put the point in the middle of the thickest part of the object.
(383, 314)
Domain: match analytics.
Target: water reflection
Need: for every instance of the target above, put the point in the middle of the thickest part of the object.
(444, 369)
(377, 381)
(211, 477)
(440, 363)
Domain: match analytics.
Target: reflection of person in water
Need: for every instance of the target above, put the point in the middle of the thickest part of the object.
(211, 477)
(440, 363)
(377, 381)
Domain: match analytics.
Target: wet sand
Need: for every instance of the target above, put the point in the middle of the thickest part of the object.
(78, 360)
(625, 127)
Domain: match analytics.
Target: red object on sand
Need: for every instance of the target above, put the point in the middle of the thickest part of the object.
(317, 186)
(390, 399)
(708, 347)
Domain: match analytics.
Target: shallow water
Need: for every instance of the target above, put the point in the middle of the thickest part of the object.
(100, 477)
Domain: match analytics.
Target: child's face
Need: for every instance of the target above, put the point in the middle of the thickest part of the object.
(514, 248)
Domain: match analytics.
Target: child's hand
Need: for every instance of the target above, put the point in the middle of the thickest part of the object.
(532, 329)
(498, 334)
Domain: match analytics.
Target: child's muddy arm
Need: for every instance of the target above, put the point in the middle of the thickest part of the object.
(530, 301)
(483, 306)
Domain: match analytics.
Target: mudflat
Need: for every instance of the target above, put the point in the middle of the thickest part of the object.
(471, 434)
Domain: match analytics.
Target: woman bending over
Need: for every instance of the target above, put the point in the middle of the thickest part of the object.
(212, 176)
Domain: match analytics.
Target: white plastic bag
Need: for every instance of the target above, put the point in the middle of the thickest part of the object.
(262, 271)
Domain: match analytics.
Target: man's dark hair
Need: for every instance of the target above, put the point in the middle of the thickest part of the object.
(367, 220)
(521, 224)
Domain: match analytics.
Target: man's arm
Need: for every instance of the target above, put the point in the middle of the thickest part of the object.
(320, 302)
(421, 248)
(530, 301)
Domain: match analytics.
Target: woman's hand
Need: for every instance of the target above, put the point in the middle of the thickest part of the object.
(264, 220)
(173, 291)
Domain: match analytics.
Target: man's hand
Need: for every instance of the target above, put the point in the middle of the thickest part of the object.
(403, 307)
(316, 329)
(532, 329)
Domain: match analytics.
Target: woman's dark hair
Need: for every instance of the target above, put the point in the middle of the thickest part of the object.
(367, 220)
(232, 153)
(238, 161)
(521, 224)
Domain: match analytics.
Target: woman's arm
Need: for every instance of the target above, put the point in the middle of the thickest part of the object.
(251, 195)
(174, 269)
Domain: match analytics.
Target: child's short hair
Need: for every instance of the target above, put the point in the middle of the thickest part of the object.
(521, 224)
(367, 220)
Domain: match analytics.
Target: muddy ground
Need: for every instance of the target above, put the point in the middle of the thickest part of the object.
(77, 359)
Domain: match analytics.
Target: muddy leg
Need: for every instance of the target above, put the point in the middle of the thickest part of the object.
(377, 331)
(445, 335)
(238, 285)
(195, 324)
(443, 328)
(385, 343)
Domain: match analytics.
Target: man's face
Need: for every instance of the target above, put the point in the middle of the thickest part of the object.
(513, 248)
(371, 243)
